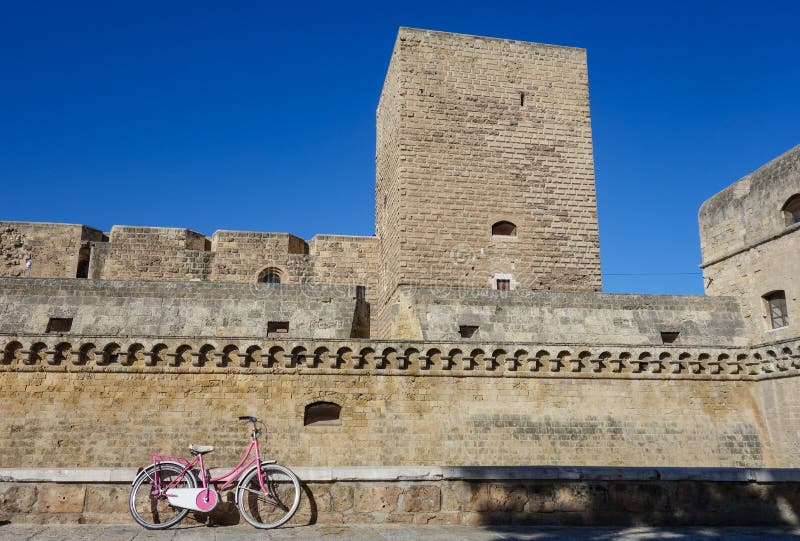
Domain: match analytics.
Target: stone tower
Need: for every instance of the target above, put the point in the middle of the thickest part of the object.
(750, 237)
(485, 174)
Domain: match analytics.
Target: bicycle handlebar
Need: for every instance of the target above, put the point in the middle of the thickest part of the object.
(248, 418)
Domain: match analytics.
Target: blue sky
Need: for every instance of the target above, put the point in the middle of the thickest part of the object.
(260, 115)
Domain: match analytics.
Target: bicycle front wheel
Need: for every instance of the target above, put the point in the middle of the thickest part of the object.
(276, 505)
(149, 507)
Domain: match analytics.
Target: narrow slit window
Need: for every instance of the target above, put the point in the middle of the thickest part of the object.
(467, 331)
(322, 414)
(776, 309)
(277, 327)
(521, 99)
(59, 324)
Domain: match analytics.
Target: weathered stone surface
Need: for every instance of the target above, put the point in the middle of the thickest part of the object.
(16, 498)
(54, 499)
(369, 499)
(422, 498)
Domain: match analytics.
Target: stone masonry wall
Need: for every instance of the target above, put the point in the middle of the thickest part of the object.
(553, 496)
(156, 253)
(54, 248)
(107, 417)
(111, 308)
(748, 250)
(420, 313)
(239, 256)
(487, 130)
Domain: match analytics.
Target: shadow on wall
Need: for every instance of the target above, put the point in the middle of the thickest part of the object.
(609, 503)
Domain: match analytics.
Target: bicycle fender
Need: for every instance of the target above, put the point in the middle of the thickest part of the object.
(146, 470)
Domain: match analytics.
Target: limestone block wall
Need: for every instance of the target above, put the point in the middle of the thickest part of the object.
(156, 253)
(239, 256)
(402, 403)
(56, 250)
(777, 400)
(749, 251)
(421, 313)
(472, 131)
(114, 308)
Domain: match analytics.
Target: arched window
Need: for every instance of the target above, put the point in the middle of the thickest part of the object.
(270, 275)
(775, 305)
(504, 229)
(791, 210)
(322, 413)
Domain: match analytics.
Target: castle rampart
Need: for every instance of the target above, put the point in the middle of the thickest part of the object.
(470, 331)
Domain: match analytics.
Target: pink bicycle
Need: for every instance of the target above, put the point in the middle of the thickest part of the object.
(267, 494)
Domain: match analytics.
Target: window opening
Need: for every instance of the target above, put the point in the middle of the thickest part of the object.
(669, 337)
(776, 309)
(322, 413)
(503, 284)
(59, 324)
(270, 276)
(791, 210)
(504, 229)
(279, 327)
(522, 98)
(467, 331)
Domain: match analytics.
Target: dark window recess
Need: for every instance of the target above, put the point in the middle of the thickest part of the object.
(669, 337)
(270, 276)
(59, 324)
(322, 413)
(504, 229)
(278, 327)
(504, 285)
(84, 255)
(467, 331)
(522, 98)
(791, 210)
(776, 307)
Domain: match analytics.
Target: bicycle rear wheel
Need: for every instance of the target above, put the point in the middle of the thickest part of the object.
(150, 508)
(274, 507)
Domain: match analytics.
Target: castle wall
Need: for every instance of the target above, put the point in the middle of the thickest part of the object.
(239, 256)
(156, 253)
(171, 309)
(749, 251)
(386, 420)
(472, 131)
(55, 249)
(421, 313)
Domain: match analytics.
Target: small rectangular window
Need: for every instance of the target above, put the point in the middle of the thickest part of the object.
(59, 324)
(776, 309)
(278, 327)
(669, 337)
(503, 285)
(467, 331)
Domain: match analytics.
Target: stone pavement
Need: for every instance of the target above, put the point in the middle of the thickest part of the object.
(393, 532)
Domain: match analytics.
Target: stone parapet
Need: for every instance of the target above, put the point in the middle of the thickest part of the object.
(154, 354)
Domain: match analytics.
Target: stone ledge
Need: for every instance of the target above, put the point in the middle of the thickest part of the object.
(439, 473)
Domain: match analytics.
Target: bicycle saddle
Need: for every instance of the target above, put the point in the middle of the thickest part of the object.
(200, 449)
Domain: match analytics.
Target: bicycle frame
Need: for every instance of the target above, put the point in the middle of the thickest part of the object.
(205, 477)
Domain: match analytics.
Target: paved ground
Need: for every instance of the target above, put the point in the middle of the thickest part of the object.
(393, 532)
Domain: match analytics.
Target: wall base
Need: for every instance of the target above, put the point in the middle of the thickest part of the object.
(455, 495)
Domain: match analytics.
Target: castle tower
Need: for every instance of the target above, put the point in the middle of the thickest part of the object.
(485, 174)
(750, 237)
